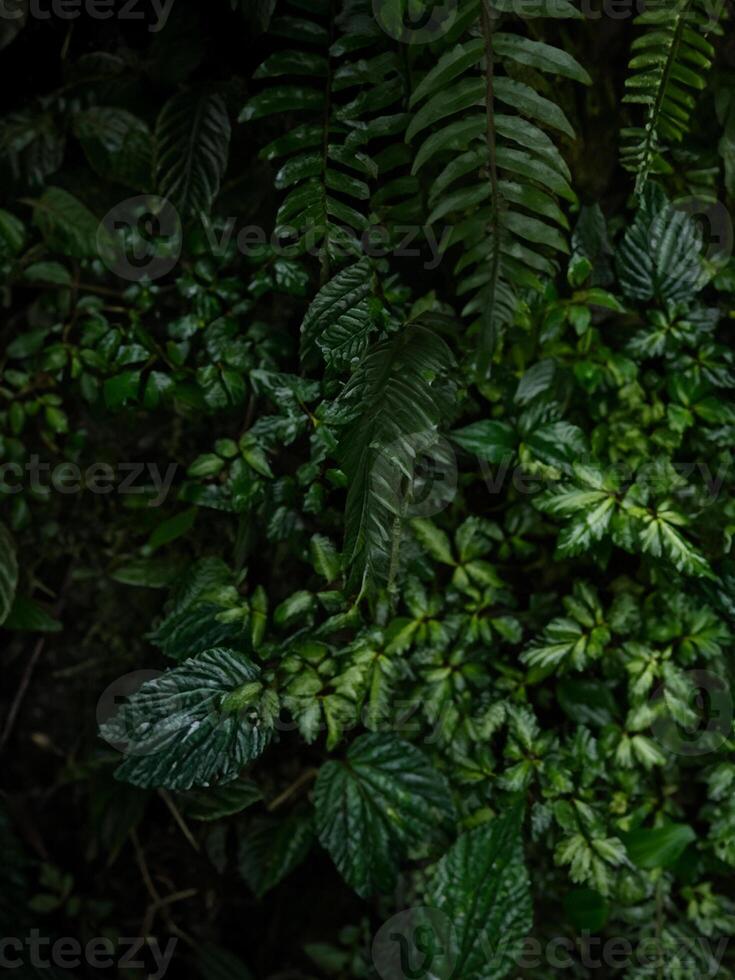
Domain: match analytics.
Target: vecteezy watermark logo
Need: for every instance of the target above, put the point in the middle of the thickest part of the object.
(700, 725)
(416, 475)
(99, 953)
(96, 9)
(140, 238)
(714, 224)
(417, 944)
(138, 737)
(415, 21)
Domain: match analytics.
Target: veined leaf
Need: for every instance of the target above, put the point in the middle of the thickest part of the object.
(383, 801)
(341, 317)
(482, 886)
(191, 146)
(192, 725)
(394, 404)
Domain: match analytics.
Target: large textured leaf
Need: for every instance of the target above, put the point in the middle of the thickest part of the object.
(395, 402)
(191, 145)
(482, 886)
(178, 731)
(659, 256)
(384, 801)
(341, 316)
(8, 572)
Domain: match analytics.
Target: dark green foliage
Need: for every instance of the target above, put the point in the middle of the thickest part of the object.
(398, 462)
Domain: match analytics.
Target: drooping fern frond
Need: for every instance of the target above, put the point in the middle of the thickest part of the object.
(667, 69)
(502, 174)
(389, 414)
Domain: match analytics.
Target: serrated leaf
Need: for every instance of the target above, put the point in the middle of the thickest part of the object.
(383, 801)
(482, 886)
(341, 318)
(175, 731)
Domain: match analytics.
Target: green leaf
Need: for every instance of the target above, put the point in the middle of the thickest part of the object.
(341, 317)
(384, 801)
(27, 615)
(395, 401)
(191, 147)
(586, 909)
(8, 572)
(53, 272)
(173, 528)
(488, 439)
(557, 443)
(153, 573)
(117, 144)
(325, 558)
(482, 886)
(176, 731)
(222, 801)
(659, 256)
(270, 849)
(536, 54)
(587, 701)
(66, 224)
(658, 847)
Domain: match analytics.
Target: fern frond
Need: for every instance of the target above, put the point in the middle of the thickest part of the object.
(667, 70)
(390, 412)
(502, 173)
(341, 90)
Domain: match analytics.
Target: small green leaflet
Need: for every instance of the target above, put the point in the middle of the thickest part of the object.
(383, 802)
(8, 572)
(481, 885)
(325, 558)
(221, 801)
(178, 731)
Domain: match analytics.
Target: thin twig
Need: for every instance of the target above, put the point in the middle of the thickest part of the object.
(28, 672)
(304, 778)
(159, 903)
(179, 819)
